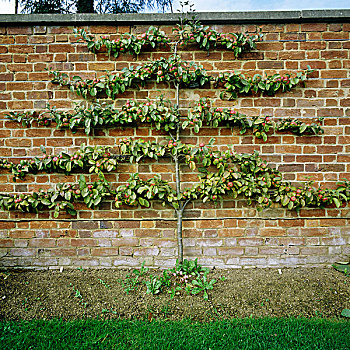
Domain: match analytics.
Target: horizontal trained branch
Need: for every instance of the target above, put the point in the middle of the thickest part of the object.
(237, 82)
(177, 71)
(126, 43)
(92, 159)
(173, 69)
(252, 178)
(139, 192)
(163, 116)
(159, 113)
(61, 198)
(190, 33)
(203, 113)
(244, 175)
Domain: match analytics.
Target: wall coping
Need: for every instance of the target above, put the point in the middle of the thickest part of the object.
(302, 16)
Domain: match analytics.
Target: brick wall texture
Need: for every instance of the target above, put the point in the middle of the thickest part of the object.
(229, 235)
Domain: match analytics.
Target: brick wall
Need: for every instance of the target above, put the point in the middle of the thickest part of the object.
(231, 235)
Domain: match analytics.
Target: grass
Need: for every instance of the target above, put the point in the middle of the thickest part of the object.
(265, 333)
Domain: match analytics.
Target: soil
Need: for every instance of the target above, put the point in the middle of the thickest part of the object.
(300, 292)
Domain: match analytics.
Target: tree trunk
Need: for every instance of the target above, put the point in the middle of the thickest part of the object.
(85, 6)
(16, 7)
(180, 254)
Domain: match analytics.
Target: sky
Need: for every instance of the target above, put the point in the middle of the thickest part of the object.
(7, 6)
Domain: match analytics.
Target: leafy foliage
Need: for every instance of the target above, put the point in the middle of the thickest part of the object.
(92, 159)
(173, 69)
(202, 113)
(178, 71)
(46, 6)
(193, 32)
(139, 192)
(237, 175)
(61, 198)
(162, 116)
(236, 82)
(187, 276)
(130, 43)
(158, 112)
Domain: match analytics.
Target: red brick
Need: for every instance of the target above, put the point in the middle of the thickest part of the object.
(42, 242)
(104, 251)
(19, 30)
(81, 242)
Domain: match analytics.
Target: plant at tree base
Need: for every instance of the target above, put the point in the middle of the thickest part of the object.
(188, 276)
(221, 172)
(201, 284)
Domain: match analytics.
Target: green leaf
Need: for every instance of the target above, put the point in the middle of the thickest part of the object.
(303, 127)
(336, 202)
(285, 200)
(82, 181)
(45, 202)
(342, 267)
(346, 313)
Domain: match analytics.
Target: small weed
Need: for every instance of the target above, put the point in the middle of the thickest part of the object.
(166, 279)
(165, 310)
(203, 285)
(189, 276)
(104, 283)
(25, 304)
(318, 313)
(78, 295)
(105, 311)
(343, 267)
(153, 285)
(188, 267)
(80, 269)
(143, 270)
(130, 284)
(173, 291)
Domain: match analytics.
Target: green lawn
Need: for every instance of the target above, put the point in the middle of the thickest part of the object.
(121, 334)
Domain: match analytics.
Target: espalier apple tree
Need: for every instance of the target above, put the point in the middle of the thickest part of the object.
(221, 173)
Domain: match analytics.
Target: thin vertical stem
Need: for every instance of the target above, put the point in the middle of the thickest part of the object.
(179, 213)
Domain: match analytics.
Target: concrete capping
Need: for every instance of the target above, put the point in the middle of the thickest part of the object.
(303, 16)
